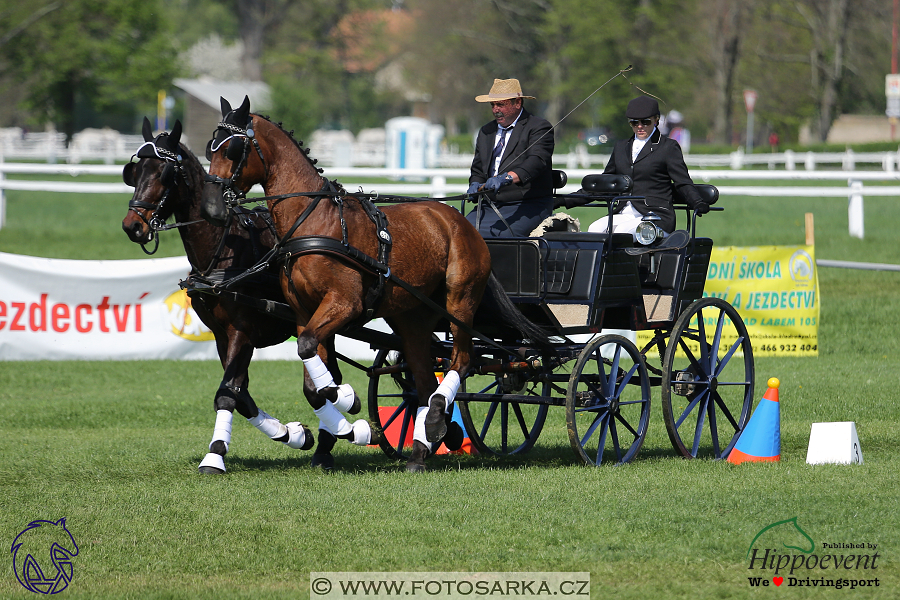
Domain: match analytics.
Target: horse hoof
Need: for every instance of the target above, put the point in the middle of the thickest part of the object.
(325, 461)
(377, 434)
(455, 436)
(299, 436)
(212, 464)
(435, 422)
(356, 407)
(414, 467)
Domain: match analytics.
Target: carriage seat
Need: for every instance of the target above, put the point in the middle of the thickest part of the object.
(708, 193)
(603, 186)
(607, 184)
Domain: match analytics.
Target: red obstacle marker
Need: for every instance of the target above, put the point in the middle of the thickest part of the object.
(392, 433)
(761, 439)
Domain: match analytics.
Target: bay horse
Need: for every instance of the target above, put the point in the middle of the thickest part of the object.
(168, 180)
(428, 254)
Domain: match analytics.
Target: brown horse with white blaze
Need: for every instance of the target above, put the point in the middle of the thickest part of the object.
(168, 180)
(433, 249)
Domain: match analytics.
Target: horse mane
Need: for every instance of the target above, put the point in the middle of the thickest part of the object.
(290, 134)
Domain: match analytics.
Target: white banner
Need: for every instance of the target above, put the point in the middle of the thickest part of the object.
(55, 309)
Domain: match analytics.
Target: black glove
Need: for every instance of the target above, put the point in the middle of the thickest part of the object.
(473, 187)
(701, 208)
(496, 182)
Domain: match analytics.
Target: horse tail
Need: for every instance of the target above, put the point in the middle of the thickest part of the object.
(498, 303)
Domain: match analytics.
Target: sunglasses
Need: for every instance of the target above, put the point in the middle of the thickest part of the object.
(644, 122)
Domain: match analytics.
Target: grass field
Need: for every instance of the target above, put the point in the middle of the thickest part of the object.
(114, 446)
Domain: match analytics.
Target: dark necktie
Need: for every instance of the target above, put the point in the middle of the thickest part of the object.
(498, 149)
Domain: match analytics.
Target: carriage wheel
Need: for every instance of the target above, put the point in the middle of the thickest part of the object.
(608, 401)
(504, 428)
(395, 392)
(707, 382)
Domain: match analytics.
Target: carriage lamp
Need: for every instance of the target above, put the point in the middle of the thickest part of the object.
(647, 231)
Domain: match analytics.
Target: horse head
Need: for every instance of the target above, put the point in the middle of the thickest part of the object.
(231, 172)
(155, 173)
(40, 545)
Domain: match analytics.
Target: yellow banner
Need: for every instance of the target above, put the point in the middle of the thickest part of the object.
(776, 291)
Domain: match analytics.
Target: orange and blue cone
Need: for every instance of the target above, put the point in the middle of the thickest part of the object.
(761, 439)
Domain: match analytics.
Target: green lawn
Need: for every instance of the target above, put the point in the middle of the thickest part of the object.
(114, 447)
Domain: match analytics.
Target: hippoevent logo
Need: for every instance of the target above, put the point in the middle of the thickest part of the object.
(783, 553)
(42, 556)
(182, 319)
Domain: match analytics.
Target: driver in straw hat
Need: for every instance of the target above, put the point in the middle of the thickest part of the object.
(513, 160)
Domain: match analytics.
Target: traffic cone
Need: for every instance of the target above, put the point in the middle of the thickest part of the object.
(761, 439)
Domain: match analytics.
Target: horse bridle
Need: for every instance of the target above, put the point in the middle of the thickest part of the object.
(238, 151)
(172, 170)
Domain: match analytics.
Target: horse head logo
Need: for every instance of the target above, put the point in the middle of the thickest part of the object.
(40, 545)
(786, 533)
(801, 266)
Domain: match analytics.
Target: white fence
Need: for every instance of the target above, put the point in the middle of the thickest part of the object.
(435, 183)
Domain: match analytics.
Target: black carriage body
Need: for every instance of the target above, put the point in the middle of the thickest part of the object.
(583, 282)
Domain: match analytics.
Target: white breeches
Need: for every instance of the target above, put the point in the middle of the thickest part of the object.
(623, 222)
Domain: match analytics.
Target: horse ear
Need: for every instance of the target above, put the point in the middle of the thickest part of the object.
(175, 136)
(147, 130)
(243, 113)
(226, 106)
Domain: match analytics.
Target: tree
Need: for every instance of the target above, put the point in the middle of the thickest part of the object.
(110, 55)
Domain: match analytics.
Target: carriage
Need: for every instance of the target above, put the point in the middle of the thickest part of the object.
(593, 291)
(603, 310)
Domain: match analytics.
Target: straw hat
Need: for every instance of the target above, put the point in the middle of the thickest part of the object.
(503, 89)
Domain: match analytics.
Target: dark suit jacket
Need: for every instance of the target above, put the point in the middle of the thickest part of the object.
(658, 173)
(532, 138)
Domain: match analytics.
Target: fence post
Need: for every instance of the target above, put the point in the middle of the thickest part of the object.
(810, 162)
(737, 159)
(2, 194)
(789, 161)
(855, 209)
(438, 186)
(848, 162)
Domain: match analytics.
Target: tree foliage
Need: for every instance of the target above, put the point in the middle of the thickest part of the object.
(109, 55)
(339, 63)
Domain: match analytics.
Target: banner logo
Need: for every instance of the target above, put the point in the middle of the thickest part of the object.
(182, 319)
(784, 554)
(42, 556)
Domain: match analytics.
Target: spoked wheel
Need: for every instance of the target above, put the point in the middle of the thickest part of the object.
(707, 382)
(608, 402)
(502, 428)
(393, 402)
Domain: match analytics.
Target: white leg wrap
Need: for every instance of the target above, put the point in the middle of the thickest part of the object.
(319, 373)
(268, 424)
(213, 460)
(362, 432)
(332, 421)
(345, 397)
(222, 431)
(419, 429)
(448, 388)
(296, 435)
